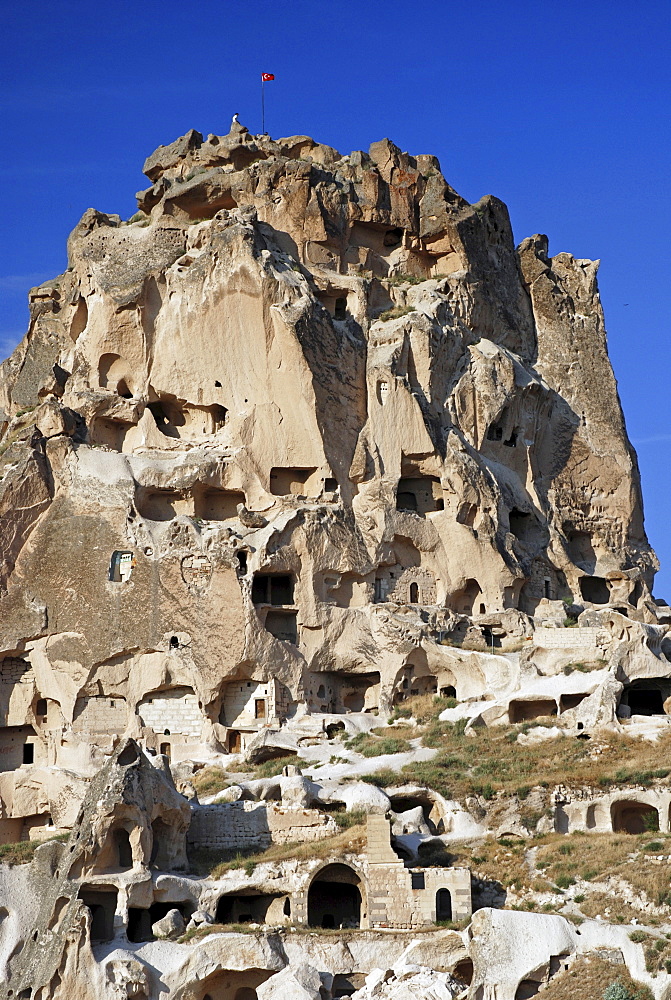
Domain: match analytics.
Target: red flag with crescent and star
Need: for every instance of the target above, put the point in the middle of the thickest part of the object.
(267, 76)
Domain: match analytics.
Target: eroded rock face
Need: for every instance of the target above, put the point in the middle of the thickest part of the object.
(300, 417)
(80, 892)
(306, 436)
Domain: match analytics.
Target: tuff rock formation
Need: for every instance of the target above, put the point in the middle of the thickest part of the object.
(306, 437)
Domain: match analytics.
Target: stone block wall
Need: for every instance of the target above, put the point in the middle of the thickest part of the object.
(100, 715)
(175, 710)
(17, 686)
(567, 638)
(15, 670)
(256, 824)
(399, 898)
(426, 587)
(393, 902)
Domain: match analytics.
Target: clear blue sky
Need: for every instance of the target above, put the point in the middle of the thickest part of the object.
(561, 110)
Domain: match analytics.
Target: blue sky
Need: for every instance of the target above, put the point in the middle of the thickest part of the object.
(561, 110)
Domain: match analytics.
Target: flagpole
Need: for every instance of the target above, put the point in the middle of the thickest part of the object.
(263, 106)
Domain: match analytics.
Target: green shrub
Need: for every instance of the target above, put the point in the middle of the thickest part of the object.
(638, 937)
(346, 819)
(564, 881)
(616, 991)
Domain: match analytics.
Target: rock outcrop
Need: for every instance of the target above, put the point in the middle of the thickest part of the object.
(300, 417)
(306, 437)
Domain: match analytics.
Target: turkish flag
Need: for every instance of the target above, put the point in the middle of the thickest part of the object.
(267, 76)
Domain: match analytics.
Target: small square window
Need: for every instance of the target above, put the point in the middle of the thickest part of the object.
(417, 880)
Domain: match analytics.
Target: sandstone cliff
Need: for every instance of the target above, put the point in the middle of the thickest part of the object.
(305, 440)
(412, 411)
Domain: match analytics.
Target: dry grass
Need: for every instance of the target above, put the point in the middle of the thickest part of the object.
(561, 860)
(598, 856)
(395, 313)
(216, 863)
(503, 861)
(423, 707)
(370, 745)
(24, 851)
(612, 908)
(210, 780)
(588, 978)
(491, 760)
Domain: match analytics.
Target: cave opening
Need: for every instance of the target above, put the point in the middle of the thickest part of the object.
(334, 898)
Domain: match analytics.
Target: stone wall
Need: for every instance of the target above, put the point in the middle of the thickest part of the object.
(100, 715)
(400, 898)
(424, 581)
(567, 638)
(256, 824)
(12, 742)
(15, 670)
(174, 710)
(242, 704)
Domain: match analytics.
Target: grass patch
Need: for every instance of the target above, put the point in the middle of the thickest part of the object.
(215, 864)
(563, 860)
(347, 819)
(395, 313)
(584, 668)
(369, 745)
(465, 764)
(383, 778)
(196, 933)
(210, 780)
(422, 707)
(140, 217)
(23, 852)
(593, 977)
(271, 768)
(597, 856)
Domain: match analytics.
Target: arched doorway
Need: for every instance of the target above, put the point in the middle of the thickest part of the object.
(334, 898)
(227, 984)
(414, 593)
(161, 843)
(123, 849)
(443, 905)
(634, 817)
